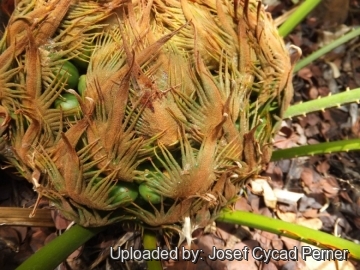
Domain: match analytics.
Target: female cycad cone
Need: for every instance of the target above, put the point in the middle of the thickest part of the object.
(176, 106)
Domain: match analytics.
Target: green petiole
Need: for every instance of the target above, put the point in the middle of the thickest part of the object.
(50, 256)
(316, 149)
(55, 252)
(294, 231)
(150, 243)
(323, 103)
(300, 13)
(317, 54)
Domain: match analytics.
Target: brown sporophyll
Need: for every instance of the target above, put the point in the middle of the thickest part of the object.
(181, 97)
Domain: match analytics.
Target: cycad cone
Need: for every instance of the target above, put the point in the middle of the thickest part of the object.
(181, 99)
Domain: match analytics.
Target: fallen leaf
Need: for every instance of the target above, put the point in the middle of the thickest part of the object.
(285, 196)
(323, 167)
(286, 216)
(242, 204)
(312, 119)
(312, 223)
(310, 213)
(330, 186)
(262, 187)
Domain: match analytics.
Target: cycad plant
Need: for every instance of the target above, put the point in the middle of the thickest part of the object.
(176, 107)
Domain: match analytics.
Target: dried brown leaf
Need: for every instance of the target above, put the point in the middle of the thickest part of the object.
(330, 186)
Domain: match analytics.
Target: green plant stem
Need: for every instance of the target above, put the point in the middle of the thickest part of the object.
(323, 103)
(301, 12)
(316, 149)
(336, 43)
(55, 252)
(301, 233)
(150, 243)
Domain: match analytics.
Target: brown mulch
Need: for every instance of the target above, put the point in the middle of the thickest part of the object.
(330, 183)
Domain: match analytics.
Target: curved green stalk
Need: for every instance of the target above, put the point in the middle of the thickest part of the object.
(150, 243)
(301, 233)
(323, 103)
(51, 255)
(317, 54)
(55, 252)
(301, 12)
(316, 149)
